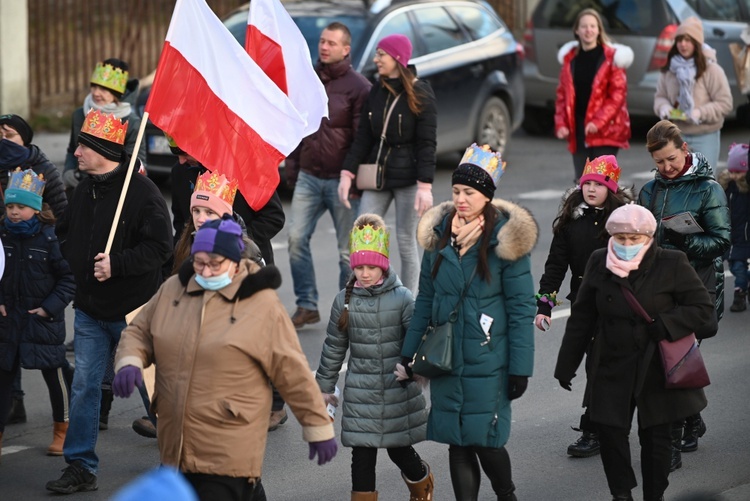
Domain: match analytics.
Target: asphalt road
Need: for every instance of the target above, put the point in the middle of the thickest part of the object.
(538, 171)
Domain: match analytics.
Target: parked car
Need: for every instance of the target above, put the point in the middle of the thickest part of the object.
(646, 26)
(461, 47)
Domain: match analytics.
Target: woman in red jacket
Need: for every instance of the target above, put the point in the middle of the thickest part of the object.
(591, 109)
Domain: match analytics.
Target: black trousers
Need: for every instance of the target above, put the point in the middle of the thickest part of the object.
(465, 475)
(364, 460)
(655, 459)
(223, 488)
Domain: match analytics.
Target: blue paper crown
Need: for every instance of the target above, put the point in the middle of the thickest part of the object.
(27, 180)
(486, 159)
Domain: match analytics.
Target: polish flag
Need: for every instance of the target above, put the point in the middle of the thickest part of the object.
(275, 42)
(219, 106)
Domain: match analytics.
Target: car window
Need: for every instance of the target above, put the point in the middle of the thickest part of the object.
(619, 16)
(398, 24)
(476, 20)
(439, 30)
(720, 10)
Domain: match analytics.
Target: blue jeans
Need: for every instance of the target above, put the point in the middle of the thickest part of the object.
(377, 202)
(741, 274)
(708, 144)
(94, 340)
(312, 198)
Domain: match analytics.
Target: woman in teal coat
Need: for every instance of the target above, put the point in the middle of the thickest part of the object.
(484, 242)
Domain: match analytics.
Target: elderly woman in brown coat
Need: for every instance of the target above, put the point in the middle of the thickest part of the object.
(626, 369)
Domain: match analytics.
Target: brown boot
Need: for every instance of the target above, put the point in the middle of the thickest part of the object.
(422, 489)
(277, 419)
(365, 496)
(58, 439)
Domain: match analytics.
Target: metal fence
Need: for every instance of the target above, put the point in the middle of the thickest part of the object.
(68, 37)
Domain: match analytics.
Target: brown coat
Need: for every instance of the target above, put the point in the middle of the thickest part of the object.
(215, 354)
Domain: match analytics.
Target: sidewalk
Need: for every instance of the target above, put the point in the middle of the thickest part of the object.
(54, 145)
(739, 493)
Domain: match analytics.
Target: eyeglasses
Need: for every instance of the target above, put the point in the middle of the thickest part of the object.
(380, 53)
(214, 266)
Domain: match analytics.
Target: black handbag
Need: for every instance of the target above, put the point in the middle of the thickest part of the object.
(371, 176)
(434, 356)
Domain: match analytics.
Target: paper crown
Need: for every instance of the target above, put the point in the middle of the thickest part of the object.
(102, 126)
(110, 77)
(218, 185)
(485, 158)
(368, 238)
(604, 170)
(25, 188)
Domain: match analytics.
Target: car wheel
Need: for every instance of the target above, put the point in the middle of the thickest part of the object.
(493, 126)
(538, 121)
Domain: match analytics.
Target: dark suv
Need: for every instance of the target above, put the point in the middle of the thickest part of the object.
(646, 26)
(461, 47)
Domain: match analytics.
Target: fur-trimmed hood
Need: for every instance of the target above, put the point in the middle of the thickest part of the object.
(267, 277)
(623, 54)
(516, 238)
(724, 181)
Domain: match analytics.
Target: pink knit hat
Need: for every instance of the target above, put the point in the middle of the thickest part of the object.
(369, 242)
(398, 47)
(631, 218)
(737, 159)
(692, 27)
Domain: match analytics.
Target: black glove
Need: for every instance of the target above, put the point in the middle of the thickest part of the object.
(674, 238)
(565, 384)
(406, 362)
(656, 330)
(517, 386)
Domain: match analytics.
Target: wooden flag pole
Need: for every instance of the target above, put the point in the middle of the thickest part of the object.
(128, 175)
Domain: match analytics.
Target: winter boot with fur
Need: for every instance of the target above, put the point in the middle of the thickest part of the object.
(58, 439)
(421, 490)
(365, 496)
(739, 301)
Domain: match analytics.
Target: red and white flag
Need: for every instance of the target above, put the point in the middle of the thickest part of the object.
(219, 105)
(275, 42)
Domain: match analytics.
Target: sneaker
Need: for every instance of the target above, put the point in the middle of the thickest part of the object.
(277, 419)
(586, 446)
(303, 316)
(144, 427)
(75, 478)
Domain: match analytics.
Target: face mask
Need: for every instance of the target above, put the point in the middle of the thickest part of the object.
(626, 252)
(12, 155)
(214, 283)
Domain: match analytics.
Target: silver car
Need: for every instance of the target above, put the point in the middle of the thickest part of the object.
(646, 26)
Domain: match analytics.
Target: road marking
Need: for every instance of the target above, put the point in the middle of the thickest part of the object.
(10, 449)
(542, 194)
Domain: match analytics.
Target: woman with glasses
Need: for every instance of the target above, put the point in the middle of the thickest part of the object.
(407, 155)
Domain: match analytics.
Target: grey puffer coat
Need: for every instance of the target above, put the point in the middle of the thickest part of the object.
(377, 411)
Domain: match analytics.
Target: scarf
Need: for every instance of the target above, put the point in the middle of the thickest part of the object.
(12, 155)
(465, 233)
(684, 70)
(24, 228)
(623, 268)
(119, 110)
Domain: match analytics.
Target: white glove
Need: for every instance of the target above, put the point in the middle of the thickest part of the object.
(695, 116)
(664, 111)
(345, 184)
(423, 198)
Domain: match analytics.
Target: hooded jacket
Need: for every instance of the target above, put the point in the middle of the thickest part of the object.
(738, 199)
(216, 353)
(377, 412)
(470, 406)
(607, 108)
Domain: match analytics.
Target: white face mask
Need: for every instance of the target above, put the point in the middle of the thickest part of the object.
(214, 283)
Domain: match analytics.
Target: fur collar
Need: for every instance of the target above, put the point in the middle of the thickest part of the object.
(623, 54)
(724, 181)
(515, 238)
(267, 277)
(628, 195)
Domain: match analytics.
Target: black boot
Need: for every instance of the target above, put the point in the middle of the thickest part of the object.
(695, 428)
(106, 406)
(676, 463)
(739, 301)
(586, 446)
(17, 412)
(622, 497)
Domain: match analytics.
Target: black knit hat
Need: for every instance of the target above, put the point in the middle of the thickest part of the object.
(19, 125)
(476, 177)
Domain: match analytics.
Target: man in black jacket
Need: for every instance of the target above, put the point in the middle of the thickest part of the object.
(108, 286)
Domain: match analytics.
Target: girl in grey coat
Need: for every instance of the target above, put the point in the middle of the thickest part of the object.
(371, 316)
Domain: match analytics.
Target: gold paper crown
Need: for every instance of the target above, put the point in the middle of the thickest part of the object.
(485, 158)
(605, 166)
(218, 185)
(106, 127)
(27, 180)
(109, 77)
(369, 238)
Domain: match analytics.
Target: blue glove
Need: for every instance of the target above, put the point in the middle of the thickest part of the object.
(326, 450)
(126, 380)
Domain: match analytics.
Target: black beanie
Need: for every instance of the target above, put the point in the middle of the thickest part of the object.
(476, 177)
(107, 149)
(19, 125)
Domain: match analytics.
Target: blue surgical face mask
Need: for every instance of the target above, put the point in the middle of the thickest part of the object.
(214, 283)
(626, 252)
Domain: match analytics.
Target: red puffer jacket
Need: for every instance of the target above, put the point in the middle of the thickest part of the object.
(607, 108)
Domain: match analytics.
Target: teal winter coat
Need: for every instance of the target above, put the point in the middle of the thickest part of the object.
(377, 411)
(696, 192)
(470, 406)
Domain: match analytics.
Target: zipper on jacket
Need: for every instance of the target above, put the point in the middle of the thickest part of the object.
(369, 117)
(399, 125)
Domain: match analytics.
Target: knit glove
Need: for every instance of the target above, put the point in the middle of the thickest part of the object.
(345, 184)
(126, 380)
(656, 330)
(325, 450)
(664, 111)
(423, 198)
(517, 386)
(674, 238)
